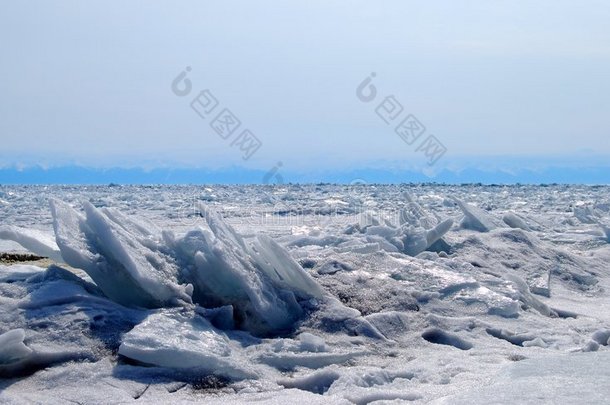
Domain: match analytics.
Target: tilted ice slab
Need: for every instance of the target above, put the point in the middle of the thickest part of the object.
(187, 342)
(120, 258)
(35, 241)
(477, 219)
(257, 277)
(515, 221)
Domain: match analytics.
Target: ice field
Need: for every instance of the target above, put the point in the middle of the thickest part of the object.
(305, 294)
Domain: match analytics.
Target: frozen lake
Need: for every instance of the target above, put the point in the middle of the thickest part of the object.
(294, 293)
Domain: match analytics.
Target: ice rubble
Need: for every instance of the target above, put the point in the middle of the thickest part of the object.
(68, 318)
(419, 229)
(586, 213)
(589, 214)
(410, 239)
(416, 232)
(252, 283)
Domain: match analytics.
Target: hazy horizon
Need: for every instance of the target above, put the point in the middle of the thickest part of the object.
(319, 87)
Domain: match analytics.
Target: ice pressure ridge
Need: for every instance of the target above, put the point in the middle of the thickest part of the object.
(214, 267)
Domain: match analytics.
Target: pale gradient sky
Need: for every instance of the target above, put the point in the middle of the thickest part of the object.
(89, 82)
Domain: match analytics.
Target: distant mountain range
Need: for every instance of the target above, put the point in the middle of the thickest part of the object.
(238, 175)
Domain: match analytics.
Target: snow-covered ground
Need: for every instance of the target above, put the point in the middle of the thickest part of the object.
(305, 294)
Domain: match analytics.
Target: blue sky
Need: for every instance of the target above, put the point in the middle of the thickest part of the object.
(502, 85)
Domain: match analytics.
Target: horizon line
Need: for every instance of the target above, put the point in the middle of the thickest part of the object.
(79, 175)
